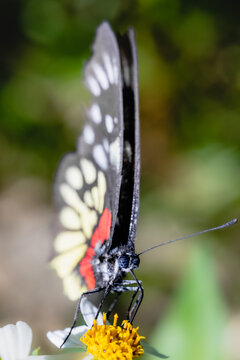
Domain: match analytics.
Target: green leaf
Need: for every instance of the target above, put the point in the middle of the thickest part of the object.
(73, 350)
(36, 351)
(148, 349)
(193, 328)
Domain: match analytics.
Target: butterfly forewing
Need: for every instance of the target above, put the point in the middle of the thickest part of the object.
(136, 165)
(105, 65)
(87, 184)
(125, 228)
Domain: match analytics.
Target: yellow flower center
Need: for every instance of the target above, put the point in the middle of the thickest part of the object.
(113, 342)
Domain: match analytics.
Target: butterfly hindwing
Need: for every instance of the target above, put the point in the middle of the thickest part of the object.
(87, 184)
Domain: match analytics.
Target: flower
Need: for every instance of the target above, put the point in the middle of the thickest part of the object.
(103, 341)
(57, 337)
(15, 341)
(113, 342)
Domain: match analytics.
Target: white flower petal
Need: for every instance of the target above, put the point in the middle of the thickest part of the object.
(24, 339)
(89, 312)
(15, 341)
(73, 356)
(58, 336)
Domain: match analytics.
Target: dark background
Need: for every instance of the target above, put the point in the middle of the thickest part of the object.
(189, 75)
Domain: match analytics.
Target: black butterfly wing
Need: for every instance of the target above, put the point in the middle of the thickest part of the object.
(137, 154)
(125, 227)
(87, 184)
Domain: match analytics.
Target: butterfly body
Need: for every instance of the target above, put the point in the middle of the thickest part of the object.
(110, 268)
(97, 187)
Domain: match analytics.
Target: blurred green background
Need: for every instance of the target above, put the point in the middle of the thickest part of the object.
(189, 78)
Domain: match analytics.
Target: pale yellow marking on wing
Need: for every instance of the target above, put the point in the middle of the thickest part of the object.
(89, 220)
(65, 263)
(102, 187)
(88, 217)
(71, 198)
(88, 198)
(70, 219)
(67, 240)
(74, 177)
(95, 197)
(73, 288)
(89, 171)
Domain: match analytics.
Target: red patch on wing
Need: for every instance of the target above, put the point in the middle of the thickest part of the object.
(100, 234)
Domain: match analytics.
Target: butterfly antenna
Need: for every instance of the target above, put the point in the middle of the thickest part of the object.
(229, 223)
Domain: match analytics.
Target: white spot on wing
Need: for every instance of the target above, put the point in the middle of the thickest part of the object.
(115, 120)
(70, 219)
(115, 153)
(93, 86)
(101, 76)
(100, 157)
(106, 145)
(88, 134)
(95, 113)
(109, 67)
(89, 171)
(115, 71)
(109, 123)
(74, 177)
(128, 150)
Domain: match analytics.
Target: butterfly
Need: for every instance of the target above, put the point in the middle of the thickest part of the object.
(97, 187)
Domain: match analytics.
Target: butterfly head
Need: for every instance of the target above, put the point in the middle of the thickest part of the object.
(128, 261)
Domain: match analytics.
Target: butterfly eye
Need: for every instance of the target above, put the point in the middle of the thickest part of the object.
(135, 261)
(123, 261)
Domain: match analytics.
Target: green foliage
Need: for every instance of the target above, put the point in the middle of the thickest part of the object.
(194, 324)
(149, 350)
(189, 71)
(189, 66)
(36, 351)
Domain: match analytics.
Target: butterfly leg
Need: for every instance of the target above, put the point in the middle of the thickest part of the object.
(129, 285)
(133, 311)
(134, 289)
(110, 309)
(119, 293)
(78, 309)
(131, 302)
(119, 289)
(106, 292)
